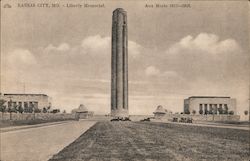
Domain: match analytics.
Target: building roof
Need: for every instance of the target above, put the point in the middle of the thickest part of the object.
(22, 94)
(160, 109)
(208, 97)
(119, 10)
(81, 109)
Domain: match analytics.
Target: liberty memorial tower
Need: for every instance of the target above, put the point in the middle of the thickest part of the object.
(119, 64)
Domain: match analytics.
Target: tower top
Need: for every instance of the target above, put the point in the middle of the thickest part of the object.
(119, 10)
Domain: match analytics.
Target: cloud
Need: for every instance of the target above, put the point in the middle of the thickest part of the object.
(134, 49)
(152, 71)
(20, 58)
(96, 44)
(102, 45)
(170, 74)
(205, 43)
(18, 65)
(61, 47)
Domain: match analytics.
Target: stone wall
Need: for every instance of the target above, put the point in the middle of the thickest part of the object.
(169, 117)
(38, 116)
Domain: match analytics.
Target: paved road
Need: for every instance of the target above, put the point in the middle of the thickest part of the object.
(14, 128)
(41, 143)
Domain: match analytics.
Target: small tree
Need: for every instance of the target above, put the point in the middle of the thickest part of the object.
(31, 108)
(55, 111)
(45, 110)
(193, 112)
(210, 111)
(225, 111)
(206, 112)
(2, 106)
(20, 109)
(15, 108)
(246, 112)
(10, 109)
(26, 108)
(220, 110)
(201, 111)
(48, 109)
(37, 110)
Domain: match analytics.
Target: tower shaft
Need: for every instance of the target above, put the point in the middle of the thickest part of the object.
(119, 66)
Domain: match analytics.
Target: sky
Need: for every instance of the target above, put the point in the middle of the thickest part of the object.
(174, 53)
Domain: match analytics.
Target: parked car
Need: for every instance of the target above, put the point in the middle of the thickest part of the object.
(186, 120)
(126, 119)
(175, 119)
(115, 119)
(147, 119)
(183, 119)
(121, 119)
(190, 120)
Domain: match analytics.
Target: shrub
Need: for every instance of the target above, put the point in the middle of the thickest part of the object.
(20, 109)
(45, 110)
(37, 110)
(2, 106)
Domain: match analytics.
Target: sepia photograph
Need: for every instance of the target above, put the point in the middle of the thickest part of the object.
(124, 80)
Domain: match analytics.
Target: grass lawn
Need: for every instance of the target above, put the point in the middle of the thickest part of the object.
(156, 141)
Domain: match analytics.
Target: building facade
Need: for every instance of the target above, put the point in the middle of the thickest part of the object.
(119, 64)
(206, 105)
(27, 100)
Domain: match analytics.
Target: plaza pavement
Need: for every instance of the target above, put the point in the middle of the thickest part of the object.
(42, 142)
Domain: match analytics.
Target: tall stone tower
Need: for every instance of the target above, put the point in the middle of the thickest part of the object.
(119, 75)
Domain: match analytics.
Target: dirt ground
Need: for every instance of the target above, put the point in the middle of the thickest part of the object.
(157, 141)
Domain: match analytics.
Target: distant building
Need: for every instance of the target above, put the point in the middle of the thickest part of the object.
(82, 112)
(160, 112)
(27, 100)
(206, 105)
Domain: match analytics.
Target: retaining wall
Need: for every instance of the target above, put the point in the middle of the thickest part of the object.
(38, 116)
(201, 117)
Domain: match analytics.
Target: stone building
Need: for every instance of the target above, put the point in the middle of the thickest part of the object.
(82, 112)
(206, 105)
(160, 112)
(27, 100)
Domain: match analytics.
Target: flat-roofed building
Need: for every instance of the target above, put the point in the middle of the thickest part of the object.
(209, 105)
(27, 100)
